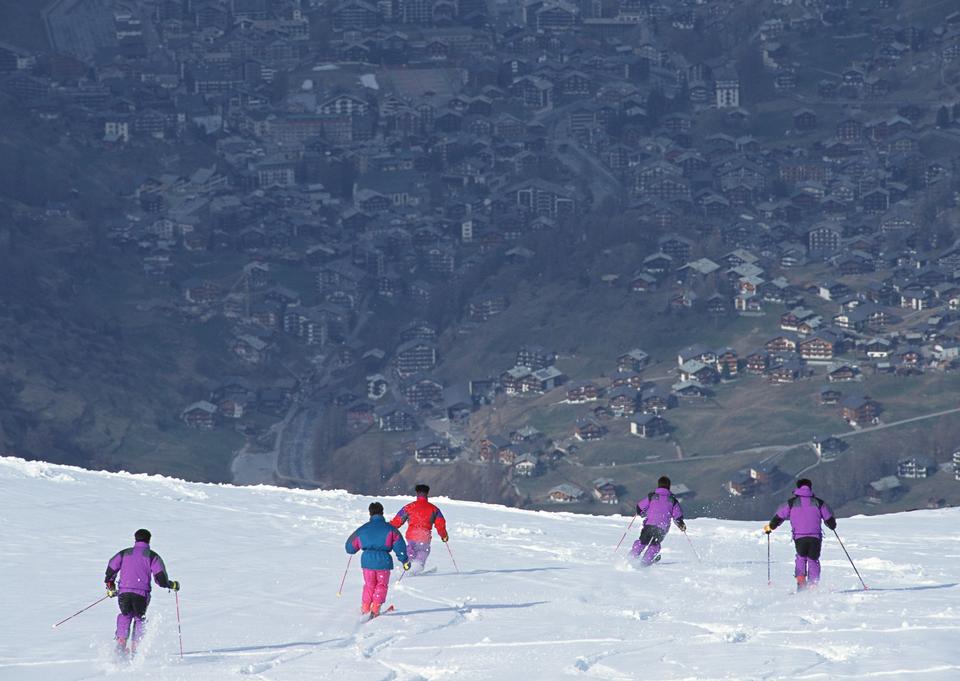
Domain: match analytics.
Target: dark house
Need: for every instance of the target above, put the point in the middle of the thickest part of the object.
(858, 409)
(648, 425)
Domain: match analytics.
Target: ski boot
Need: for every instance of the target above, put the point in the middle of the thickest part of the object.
(646, 564)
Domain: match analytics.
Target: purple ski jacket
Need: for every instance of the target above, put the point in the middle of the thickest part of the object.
(136, 565)
(805, 512)
(660, 507)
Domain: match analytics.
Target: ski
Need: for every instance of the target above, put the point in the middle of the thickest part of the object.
(123, 655)
(387, 609)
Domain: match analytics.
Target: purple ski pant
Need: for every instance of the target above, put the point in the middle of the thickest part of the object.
(650, 538)
(418, 552)
(808, 558)
(651, 553)
(133, 609)
(809, 567)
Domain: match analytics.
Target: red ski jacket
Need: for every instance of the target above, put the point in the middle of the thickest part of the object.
(422, 517)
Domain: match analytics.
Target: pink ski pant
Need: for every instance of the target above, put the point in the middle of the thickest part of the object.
(375, 583)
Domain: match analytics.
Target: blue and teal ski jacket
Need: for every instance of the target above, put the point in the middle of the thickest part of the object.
(376, 539)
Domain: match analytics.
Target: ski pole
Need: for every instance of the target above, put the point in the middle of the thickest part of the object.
(691, 546)
(179, 633)
(865, 587)
(452, 558)
(632, 520)
(80, 611)
(768, 559)
(343, 581)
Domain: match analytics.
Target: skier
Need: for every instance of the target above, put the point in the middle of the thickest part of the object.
(805, 511)
(422, 517)
(135, 565)
(657, 510)
(376, 539)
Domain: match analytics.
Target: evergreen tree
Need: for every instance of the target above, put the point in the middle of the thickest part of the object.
(656, 106)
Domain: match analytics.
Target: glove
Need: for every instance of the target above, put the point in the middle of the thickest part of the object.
(406, 566)
(682, 525)
(111, 589)
(173, 584)
(445, 539)
(767, 529)
(831, 523)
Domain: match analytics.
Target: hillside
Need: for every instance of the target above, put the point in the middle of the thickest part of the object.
(21, 23)
(221, 219)
(739, 424)
(94, 365)
(539, 595)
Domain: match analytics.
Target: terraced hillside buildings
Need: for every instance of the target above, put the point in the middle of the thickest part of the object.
(352, 189)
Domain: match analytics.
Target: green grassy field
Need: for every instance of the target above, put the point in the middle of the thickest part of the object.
(796, 459)
(746, 413)
(906, 397)
(554, 421)
(916, 494)
(743, 414)
(823, 53)
(590, 328)
(752, 412)
(936, 437)
(191, 454)
(620, 448)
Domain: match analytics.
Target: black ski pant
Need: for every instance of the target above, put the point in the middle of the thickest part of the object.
(651, 534)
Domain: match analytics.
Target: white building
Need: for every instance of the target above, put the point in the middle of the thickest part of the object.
(727, 88)
(116, 130)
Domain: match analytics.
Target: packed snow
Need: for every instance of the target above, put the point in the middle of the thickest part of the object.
(539, 595)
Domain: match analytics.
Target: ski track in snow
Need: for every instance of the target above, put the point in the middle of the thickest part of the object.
(540, 595)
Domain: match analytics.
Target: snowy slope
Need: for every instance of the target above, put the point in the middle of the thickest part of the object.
(541, 596)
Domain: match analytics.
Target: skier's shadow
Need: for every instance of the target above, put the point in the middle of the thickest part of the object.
(509, 571)
(901, 588)
(220, 652)
(467, 607)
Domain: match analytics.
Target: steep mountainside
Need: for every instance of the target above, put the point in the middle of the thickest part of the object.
(92, 371)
